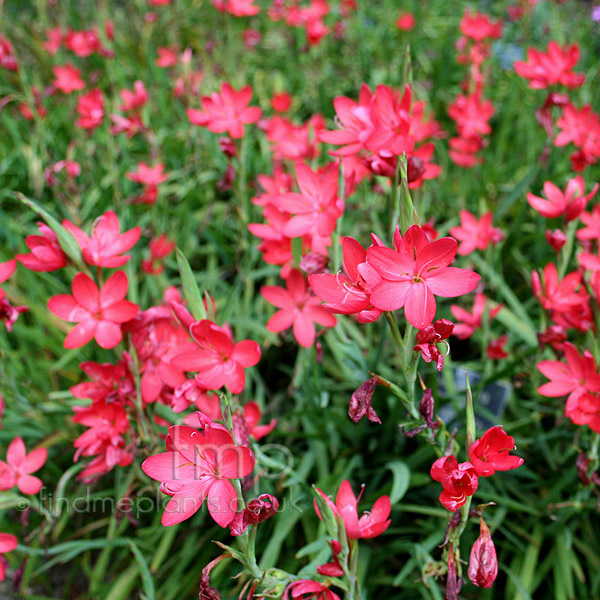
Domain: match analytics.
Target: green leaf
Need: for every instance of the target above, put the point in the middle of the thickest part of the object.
(401, 474)
(190, 287)
(147, 582)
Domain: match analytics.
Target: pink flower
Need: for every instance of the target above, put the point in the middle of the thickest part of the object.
(570, 203)
(226, 111)
(6, 270)
(167, 57)
(552, 67)
(474, 234)
(106, 242)
(370, 524)
(148, 175)
(134, 100)
(252, 416)
(68, 79)
(199, 465)
(19, 465)
(46, 253)
(317, 207)
(416, 272)
(468, 322)
(54, 40)
(90, 108)
(218, 361)
(8, 543)
(490, 453)
(576, 377)
(560, 295)
(348, 293)
(299, 309)
(98, 314)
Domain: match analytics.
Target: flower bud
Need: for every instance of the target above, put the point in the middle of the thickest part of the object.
(483, 564)
(360, 403)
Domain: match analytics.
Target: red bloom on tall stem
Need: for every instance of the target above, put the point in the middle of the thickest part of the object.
(106, 243)
(468, 322)
(45, 251)
(19, 466)
(370, 524)
(490, 453)
(98, 313)
(68, 79)
(415, 272)
(218, 360)
(553, 67)
(298, 309)
(348, 293)
(199, 465)
(458, 480)
(475, 234)
(559, 295)
(570, 203)
(227, 110)
(90, 108)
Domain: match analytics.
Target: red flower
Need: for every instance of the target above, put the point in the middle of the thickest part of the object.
(470, 321)
(6, 270)
(591, 231)
(348, 293)
(298, 309)
(106, 242)
(226, 111)
(148, 175)
(472, 114)
(560, 295)
(167, 57)
(103, 439)
(405, 21)
(46, 253)
(431, 335)
(199, 465)
(218, 361)
(458, 480)
(7, 55)
(371, 524)
(281, 102)
(8, 543)
(577, 377)
(54, 41)
(478, 26)
(495, 349)
(252, 416)
(474, 234)
(98, 314)
(414, 273)
(68, 79)
(19, 465)
(84, 43)
(134, 100)
(90, 108)
(307, 589)
(490, 453)
(570, 203)
(582, 128)
(556, 239)
(483, 563)
(552, 67)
